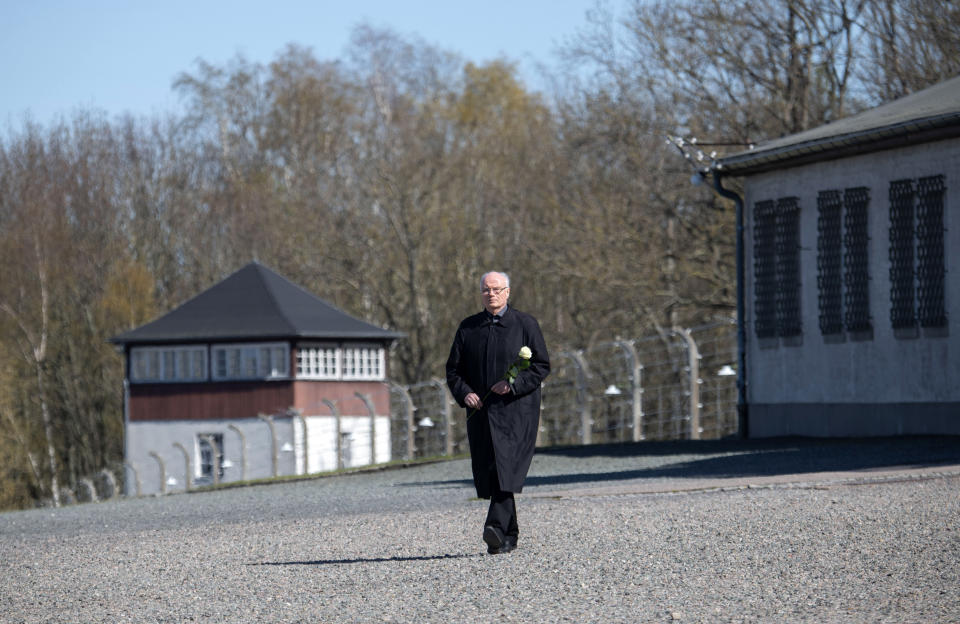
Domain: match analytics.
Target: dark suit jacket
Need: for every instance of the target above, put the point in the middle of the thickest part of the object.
(481, 353)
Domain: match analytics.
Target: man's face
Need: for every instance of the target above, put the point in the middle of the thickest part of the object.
(494, 292)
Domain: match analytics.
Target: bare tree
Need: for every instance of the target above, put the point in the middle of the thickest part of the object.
(26, 305)
(912, 45)
(388, 180)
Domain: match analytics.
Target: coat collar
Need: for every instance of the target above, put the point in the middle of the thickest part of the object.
(502, 319)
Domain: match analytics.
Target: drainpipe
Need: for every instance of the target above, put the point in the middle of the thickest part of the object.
(743, 421)
(126, 429)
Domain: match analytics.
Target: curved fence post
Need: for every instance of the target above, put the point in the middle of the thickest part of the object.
(109, 482)
(136, 480)
(243, 450)
(68, 496)
(336, 416)
(86, 492)
(408, 412)
(163, 472)
(188, 464)
(583, 398)
(636, 387)
(296, 414)
(693, 366)
(273, 440)
(373, 424)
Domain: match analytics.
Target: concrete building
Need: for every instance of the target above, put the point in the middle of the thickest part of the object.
(251, 378)
(851, 273)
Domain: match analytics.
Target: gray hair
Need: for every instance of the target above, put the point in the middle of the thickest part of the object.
(505, 277)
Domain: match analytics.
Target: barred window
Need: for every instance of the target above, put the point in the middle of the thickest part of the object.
(764, 269)
(351, 361)
(830, 262)
(931, 271)
(363, 362)
(318, 362)
(168, 364)
(843, 276)
(788, 266)
(251, 361)
(917, 269)
(856, 269)
(776, 268)
(902, 314)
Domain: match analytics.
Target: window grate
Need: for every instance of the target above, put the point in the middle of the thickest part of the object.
(930, 252)
(902, 313)
(787, 245)
(764, 269)
(829, 262)
(856, 275)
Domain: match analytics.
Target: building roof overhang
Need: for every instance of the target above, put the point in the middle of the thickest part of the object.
(929, 115)
(254, 304)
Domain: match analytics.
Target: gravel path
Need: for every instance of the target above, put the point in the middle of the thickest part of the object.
(403, 545)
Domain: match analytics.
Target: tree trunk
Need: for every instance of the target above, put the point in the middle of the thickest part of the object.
(48, 433)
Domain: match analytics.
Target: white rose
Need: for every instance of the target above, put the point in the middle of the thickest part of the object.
(526, 353)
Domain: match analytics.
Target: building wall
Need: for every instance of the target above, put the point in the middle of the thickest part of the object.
(309, 396)
(880, 384)
(160, 437)
(208, 401)
(362, 442)
(248, 399)
(251, 440)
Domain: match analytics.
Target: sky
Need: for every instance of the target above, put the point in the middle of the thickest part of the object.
(58, 56)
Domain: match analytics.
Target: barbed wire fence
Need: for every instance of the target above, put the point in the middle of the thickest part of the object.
(679, 385)
(676, 385)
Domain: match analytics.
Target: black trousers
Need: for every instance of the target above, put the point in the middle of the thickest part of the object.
(503, 508)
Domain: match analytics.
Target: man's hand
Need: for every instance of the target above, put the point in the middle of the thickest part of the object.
(501, 387)
(473, 401)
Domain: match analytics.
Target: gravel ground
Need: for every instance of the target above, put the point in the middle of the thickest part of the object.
(403, 545)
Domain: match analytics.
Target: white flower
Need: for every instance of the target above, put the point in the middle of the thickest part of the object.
(526, 353)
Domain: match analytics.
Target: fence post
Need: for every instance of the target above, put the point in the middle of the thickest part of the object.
(189, 467)
(86, 486)
(583, 397)
(273, 440)
(297, 414)
(694, 366)
(243, 451)
(373, 424)
(136, 480)
(636, 388)
(409, 418)
(163, 472)
(447, 421)
(336, 417)
(111, 484)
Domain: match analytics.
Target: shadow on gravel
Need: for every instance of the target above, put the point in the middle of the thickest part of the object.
(734, 458)
(694, 459)
(320, 562)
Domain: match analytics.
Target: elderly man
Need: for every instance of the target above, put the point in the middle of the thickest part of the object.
(503, 411)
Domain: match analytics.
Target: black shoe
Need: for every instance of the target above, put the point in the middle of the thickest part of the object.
(509, 543)
(494, 539)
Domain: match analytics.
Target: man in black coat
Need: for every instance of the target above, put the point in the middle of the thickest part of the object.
(503, 412)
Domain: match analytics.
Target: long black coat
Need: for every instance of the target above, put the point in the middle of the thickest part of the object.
(504, 430)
